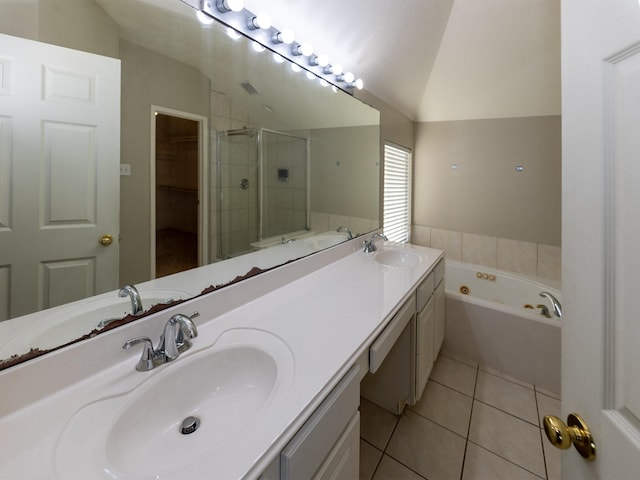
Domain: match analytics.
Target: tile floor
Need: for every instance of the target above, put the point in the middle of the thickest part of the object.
(471, 424)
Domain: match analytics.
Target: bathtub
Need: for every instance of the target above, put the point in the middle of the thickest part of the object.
(492, 318)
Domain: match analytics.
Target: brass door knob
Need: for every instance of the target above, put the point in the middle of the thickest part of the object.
(576, 431)
(106, 240)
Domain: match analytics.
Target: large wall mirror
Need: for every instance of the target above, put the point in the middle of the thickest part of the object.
(219, 153)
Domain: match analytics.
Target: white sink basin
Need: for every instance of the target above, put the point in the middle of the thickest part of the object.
(397, 258)
(136, 434)
(324, 240)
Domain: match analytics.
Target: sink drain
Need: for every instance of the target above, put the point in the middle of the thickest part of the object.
(189, 425)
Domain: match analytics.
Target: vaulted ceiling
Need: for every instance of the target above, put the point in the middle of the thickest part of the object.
(437, 60)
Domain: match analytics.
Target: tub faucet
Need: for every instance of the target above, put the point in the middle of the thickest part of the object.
(555, 304)
(136, 302)
(370, 246)
(345, 229)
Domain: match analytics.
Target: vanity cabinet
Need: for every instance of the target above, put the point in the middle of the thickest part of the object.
(389, 383)
(429, 325)
(328, 444)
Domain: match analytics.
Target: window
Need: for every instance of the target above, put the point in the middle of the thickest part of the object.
(397, 193)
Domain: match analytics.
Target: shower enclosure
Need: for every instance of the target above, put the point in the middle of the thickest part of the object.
(263, 179)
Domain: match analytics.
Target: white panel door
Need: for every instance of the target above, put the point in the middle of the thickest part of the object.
(59, 174)
(601, 233)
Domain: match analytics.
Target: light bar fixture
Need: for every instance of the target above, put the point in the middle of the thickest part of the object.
(282, 43)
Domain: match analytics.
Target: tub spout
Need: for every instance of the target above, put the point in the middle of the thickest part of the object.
(555, 304)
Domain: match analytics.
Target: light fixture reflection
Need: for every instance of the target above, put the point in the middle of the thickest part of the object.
(278, 58)
(257, 47)
(295, 67)
(231, 33)
(203, 18)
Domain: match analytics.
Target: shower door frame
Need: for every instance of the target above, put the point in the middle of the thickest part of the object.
(260, 174)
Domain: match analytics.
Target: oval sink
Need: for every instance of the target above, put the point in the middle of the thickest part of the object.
(324, 240)
(397, 258)
(138, 434)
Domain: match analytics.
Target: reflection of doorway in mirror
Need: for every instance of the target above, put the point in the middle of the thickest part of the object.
(177, 184)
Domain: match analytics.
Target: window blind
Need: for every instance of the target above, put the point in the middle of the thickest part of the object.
(397, 193)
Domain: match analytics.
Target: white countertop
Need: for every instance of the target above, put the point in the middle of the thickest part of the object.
(327, 318)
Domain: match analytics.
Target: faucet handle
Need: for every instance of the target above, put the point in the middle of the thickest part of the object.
(149, 355)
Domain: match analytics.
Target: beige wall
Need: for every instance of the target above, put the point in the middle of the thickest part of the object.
(395, 127)
(485, 195)
(344, 171)
(147, 79)
(74, 24)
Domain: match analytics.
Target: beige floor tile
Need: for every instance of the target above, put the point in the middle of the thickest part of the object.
(552, 459)
(495, 372)
(466, 361)
(507, 396)
(429, 449)
(548, 393)
(369, 459)
(481, 464)
(547, 406)
(390, 469)
(376, 424)
(507, 436)
(454, 374)
(446, 407)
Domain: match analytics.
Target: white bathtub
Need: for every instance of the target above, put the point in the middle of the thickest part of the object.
(493, 325)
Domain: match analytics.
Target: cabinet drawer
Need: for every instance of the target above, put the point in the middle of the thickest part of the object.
(387, 339)
(425, 289)
(307, 450)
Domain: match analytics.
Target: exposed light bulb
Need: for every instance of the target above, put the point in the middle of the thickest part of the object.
(306, 49)
(203, 18)
(337, 69)
(286, 36)
(349, 77)
(225, 6)
(262, 20)
(323, 59)
(359, 84)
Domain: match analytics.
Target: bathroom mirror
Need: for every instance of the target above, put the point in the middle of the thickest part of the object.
(171, 62)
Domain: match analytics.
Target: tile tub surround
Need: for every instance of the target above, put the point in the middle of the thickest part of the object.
(450, 433)
(527, 258)
(296, 302)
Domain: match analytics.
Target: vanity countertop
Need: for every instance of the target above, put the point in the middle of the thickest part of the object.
(326, 318)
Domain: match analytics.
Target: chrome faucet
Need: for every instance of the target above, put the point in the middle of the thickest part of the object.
(136, 302)
(370, 246)
(172, 342)
(345, 229)
(555, 304)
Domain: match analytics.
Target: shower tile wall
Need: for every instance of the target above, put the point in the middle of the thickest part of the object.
(224, 116)
(511, 255)
(285, 199)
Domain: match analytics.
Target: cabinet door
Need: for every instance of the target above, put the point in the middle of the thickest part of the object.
(439, 319)
(424, 346)
(343, 462)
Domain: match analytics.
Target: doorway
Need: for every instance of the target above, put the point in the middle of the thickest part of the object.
(177, 236)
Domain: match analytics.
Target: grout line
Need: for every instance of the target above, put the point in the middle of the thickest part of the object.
(466, 443)
(507, 460)
(510, 414)
(544, 456)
